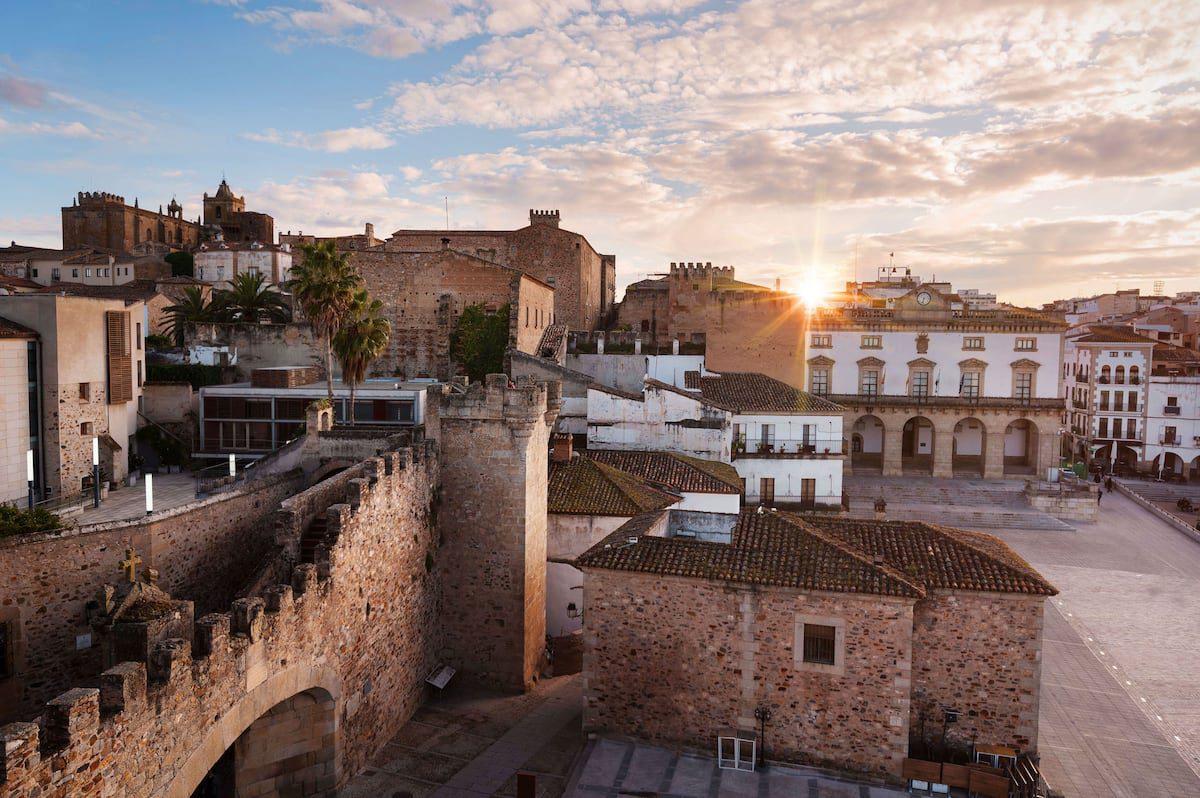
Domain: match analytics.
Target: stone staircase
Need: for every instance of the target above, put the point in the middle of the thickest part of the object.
(1161, 491)
(966, 503)
(313, 538)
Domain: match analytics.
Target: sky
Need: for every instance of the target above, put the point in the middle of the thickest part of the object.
(1037, 150)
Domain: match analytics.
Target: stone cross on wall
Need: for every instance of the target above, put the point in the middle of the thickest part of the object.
(130, 564)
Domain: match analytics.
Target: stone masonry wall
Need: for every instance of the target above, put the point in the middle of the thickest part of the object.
(361, 627)
(680, 660)
(494, 443)
(203, 551)
(68, 451)
(997, 687)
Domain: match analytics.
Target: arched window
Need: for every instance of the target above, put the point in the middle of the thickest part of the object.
(217, 212)
(1133, 375)
(1105, 374)
(1120, 375)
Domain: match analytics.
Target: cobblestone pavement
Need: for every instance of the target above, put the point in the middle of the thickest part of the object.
(1120, 709)
(471, 743)
(617, 768)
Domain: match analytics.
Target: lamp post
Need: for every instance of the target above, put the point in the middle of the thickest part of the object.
(762, 713)
(149, 493)
(949, 715)
(95, 472)
(232, 465)
(29, 475)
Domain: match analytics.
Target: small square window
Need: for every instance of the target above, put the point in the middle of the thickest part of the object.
(820, 646)
(85, 428)
(973, 343)
(822, 341)
(1026, 345)
(85, 391)
(872, 342)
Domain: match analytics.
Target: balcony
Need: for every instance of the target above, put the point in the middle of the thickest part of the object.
(1171, 410)
(815, 448)
(1167, 440)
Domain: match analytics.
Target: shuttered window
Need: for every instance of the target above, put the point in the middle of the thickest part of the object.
(120, 359)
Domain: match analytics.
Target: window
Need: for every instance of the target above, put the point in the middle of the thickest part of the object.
(970, 384)
(74, 272)
(1120, 375)
(766, 435)
(920, 383)
(1134, 376)
(766, 491)
(139, 335)
(85, 428)
(739, 435)
(1103, 432)
(87, 272)
(5, 660)
(1026, 345)
(85, 391)
(139, 373)
(973, 343)
(1131, 428)
(1119, 401)
(822, 341)
(819, 381)
(820, 644)
(1024, 386)
(1169, 435)
(55, 274)
(1116, 427)
(869, 385)
(872, 342)
(1104, 400)
(526, 315)
(35, 272)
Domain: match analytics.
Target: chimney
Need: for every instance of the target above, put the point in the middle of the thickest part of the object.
(563, 445)
(445, 243)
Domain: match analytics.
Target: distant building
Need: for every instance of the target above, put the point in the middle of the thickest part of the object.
(99, 220)
(226, 214)
(856, 635)
(85, 266)
(363, 240)
(220, 261)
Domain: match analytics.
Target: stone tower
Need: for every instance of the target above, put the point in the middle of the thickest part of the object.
(494, 442)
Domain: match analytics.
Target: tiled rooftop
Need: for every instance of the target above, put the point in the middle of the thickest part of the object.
(585, 487)
(749, 392)
(10, 329)
(893, 558)
(673, 471)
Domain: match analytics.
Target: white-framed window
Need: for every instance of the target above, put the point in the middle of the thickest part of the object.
(869, 384)
(973, 343)
(819, 381)
(920, 383)
(970, 384)
(820, 644)
(1026, 345)
(822, 341)
(872, 342)
(1023, 388)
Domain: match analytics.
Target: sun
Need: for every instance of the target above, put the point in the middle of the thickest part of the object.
(811, 286)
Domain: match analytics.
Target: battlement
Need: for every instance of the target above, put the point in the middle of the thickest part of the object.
(99, 198)
(701, 272)
(278, 641)
(551, 218)
(496, 398)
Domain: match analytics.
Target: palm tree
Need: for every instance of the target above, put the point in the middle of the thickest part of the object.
(361, 339)
(249, 299)
(324, 285)
(193, 307)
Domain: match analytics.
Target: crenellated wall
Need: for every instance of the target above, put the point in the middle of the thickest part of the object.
(344, 647)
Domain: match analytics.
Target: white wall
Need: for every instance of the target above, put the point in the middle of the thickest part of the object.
(968, 441)
(14, 418)
(617, 422)
(789, 430)
(1186, 391)
(788, 475)
(568, 536)
(710, 502)
(946, 350)
(564, 585)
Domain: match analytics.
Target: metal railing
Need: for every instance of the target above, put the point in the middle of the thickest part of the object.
(67, 501)
(217, 479)
(816, 446)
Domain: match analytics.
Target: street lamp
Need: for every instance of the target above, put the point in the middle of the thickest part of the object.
(95, 471)
(29, 474)
(149, 493)
(762, 713)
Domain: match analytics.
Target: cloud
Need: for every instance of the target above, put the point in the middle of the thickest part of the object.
(21, 92)
(72, 130)
(342, 140)
(337, 202)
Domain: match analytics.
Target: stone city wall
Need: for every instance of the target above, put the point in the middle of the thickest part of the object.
(203, 552)
(362, 639)
(979, 653)
(677, 660)
(262, 345)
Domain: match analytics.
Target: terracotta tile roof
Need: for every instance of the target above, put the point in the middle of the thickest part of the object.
(893, 558)
(586, 487)
(602, 388)
(694, 395)
(673, 471)
(132, 291)
(1163, 352)
(691, 380)
(18, 282)
(1112, 334)
(749, 392)
(10, 329)
(659, 284)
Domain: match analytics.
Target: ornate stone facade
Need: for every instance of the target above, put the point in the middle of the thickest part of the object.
(102, 220)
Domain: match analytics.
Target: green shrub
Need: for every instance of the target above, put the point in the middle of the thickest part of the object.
(196, 374)
(15, 521)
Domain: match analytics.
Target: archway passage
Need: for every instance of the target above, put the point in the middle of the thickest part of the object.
(1020, 447)
(916, 447)
(866, 445)
(291, 750)
(970, 444)
(1194, 470)
(1127, 460)
(1172, 466)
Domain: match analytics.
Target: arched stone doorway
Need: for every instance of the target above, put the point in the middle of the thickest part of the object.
(1020, 448)
(916, 446)
(970, 445)
(1172, 465)
(1127, 460)
(1194, 470)
(866, 445)
(291, 750)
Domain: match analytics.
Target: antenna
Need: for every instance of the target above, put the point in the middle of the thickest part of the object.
(447, 199)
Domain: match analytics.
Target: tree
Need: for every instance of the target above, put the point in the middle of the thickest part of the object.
(323, 285)
(479, 340)
(361, 339)
(192, 308)
(249, 300)
(182, 263)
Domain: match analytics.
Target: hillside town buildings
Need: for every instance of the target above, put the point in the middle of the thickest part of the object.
(220, 262)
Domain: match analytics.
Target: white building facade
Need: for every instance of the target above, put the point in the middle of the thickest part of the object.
(219, 262)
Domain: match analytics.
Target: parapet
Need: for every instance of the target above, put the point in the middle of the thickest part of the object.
(551, 218)
(701, 271)
(99, 198)
(499, 398)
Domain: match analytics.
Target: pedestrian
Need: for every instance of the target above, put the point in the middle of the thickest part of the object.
(1099, 496)
(1108, 484)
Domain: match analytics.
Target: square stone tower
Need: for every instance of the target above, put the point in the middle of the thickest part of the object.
(492, 516)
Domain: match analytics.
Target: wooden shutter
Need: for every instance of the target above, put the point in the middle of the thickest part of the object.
(120, 360)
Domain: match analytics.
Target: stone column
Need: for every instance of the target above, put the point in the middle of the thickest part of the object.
(943, 448)
(893, 444)
(1047, 450)
(993, 450)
